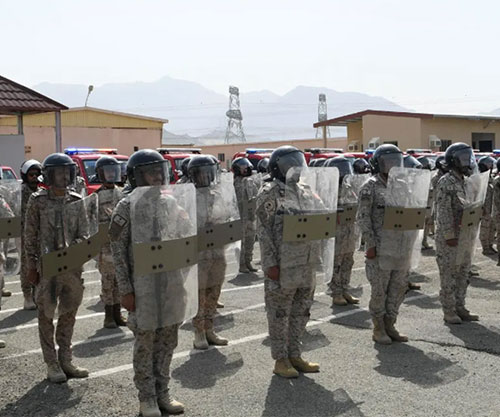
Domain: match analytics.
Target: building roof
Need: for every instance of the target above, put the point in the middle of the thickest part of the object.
(356, 117)
(117, 113)
(16, 98)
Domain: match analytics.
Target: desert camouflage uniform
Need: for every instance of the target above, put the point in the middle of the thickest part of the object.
(41, 234)
(108, 199)
(5, 212)
(212, 262)
(388, 287)
(496, 207)
(434, 182)
(26, 287)
(449, 208)
(153, 349)
(80, 186)
(488, 229)
(288, 309)
(246, 189)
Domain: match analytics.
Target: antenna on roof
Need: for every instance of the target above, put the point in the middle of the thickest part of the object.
(91, 88)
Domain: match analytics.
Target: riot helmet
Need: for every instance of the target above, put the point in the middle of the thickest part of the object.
(409, 161)
(241, 167)
(108, 170)
(427, 163)
(386, 157)
(342, 164)
(30, 164)
(317, 162)
(263, 166)
(361, 166)
(486, 163)
(202, 170)
(147, 167)
(184, 166)
(59, 171)
(440, 164)
(460, 157)
(284, 158)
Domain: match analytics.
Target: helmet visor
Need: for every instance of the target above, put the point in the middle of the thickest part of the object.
(290, 160)
(110, 173)
(464, 158)
(155, 173)
(61, 176)
(203, 176)
(344, 167)
(389, 161)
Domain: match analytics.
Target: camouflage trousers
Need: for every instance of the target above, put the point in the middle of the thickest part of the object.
(342, 268)
(288, 311)
(247, 241)
(487, 231)
(153, 351)
(207, 307)
(26, 287)
(388, 289)
(109, 286)
(454, 278)
(65, 292)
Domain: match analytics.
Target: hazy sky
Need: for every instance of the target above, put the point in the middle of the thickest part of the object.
(439, 55)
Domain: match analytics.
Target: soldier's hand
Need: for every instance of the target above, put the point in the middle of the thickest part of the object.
(274, 273)
(33, 277)
(128, 301)
(452, 242)
(371, 253)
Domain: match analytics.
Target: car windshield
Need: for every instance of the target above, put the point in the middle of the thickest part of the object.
(8, 174)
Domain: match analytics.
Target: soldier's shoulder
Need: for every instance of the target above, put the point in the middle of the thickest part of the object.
(368, 186)
(40, 194)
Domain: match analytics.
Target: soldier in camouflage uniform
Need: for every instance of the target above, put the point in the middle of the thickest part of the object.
(346, 236)
(427, 164)
(388, 287)
(30, 173)
(108, 173)
(153, 348)
(246, 186)
(42, 233)
(488, 229)
(288, 309)
(450, 198)
(202, 171)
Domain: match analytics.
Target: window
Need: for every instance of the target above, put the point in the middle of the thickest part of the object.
(444, 144)
(221, 157)
(8, 174)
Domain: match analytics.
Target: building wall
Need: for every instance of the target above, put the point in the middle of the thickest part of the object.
(41, 140)
(355, 134)
(406, 131)
(229, 150)
(458, 130)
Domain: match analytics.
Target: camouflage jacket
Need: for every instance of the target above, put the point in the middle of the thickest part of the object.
(246, 189)
(450, 197)
(52, 223)
(26, 192)
(5, 211)
(108, 199)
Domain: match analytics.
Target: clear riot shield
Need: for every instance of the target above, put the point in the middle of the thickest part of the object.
(404, 218)
(309, 225)
(476, 187)
(68, 241)
(348, 234)
(10, 226)
(163, 227)
(219, 228)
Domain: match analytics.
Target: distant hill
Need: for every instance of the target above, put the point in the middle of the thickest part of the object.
(198, 113)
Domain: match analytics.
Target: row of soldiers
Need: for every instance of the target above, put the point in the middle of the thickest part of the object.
(152, 238)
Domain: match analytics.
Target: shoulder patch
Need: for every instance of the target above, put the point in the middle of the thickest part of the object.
(119, 220)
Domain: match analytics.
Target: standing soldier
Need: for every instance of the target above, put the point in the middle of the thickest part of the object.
(30, 173)
(158, 290)
(347, 234)
(108, 174)
(427, 164)
(390, 250)
(487, 229)
(290, 266)
(216, 206)
(55, 220)
(459, 198)
(246, 186)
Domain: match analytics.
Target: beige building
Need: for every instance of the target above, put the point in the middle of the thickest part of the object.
(370, 128)
(86, 127)
(225, 152)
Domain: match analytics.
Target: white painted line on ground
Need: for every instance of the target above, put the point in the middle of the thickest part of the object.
(247, 339)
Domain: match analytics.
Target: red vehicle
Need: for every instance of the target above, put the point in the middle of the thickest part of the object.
(86, 158)
(176, 156)
(254, 155)
(325, 153)
(8, 173)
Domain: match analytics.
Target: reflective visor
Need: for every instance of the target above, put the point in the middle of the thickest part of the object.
(203, 176)
(293, 159)
(152, 174)
(465, 158)
(344, 167)
(111, 173)
(390, 160)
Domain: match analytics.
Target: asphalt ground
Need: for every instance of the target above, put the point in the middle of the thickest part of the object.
(443, 370)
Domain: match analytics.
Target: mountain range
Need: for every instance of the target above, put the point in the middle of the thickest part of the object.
(197, 114)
